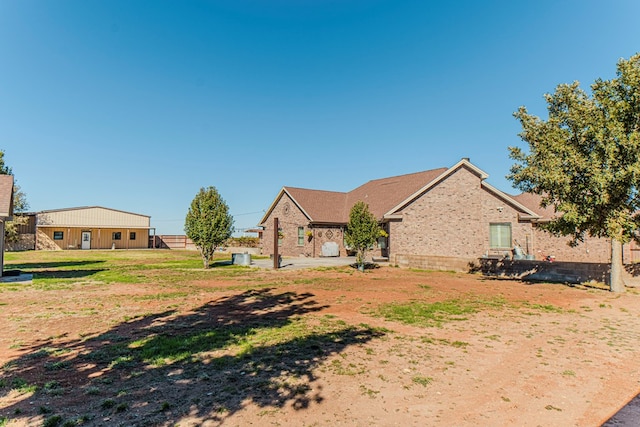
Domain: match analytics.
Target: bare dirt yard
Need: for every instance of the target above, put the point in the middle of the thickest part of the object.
(149, 338)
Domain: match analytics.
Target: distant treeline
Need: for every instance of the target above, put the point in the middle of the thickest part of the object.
(243, 242)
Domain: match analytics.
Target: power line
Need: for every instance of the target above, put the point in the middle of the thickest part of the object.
(182, 219)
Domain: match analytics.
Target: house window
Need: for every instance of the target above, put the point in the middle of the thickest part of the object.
(132, 235)
(116, 235)
(500, 235)
(300, 236)
(58, 235)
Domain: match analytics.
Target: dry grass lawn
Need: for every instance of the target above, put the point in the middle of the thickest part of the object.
(149, 338)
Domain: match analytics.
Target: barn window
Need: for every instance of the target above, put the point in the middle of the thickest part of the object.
(58, 235)
(500, 235)
(116, 235)
(132, 235)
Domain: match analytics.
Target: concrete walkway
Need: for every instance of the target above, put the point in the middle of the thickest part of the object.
(296, 263)
(629, 415)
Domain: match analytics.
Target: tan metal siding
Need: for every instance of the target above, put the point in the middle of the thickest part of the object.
(92, 217)
(100, 238)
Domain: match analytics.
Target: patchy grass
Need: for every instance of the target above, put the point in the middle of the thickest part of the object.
(133, 337)
(423, 381)
(64, 270)
(437, 313)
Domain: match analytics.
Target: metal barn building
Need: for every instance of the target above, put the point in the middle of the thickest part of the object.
(92, 227)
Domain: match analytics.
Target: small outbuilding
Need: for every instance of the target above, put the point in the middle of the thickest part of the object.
(92, 227)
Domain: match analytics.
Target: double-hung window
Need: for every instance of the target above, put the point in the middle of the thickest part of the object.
(300, 236)
(500, 235)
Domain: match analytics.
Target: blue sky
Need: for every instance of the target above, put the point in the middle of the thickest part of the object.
(135, 105)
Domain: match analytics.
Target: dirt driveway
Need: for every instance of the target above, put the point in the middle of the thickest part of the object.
(528, 355)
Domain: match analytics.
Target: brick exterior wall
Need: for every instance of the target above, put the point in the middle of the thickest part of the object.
(591, 250)
(290, 218)
(432, 262)
(452, 219)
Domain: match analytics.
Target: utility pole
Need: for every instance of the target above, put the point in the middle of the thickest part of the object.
(276, 227)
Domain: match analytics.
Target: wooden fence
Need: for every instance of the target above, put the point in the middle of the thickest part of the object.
(171, 241)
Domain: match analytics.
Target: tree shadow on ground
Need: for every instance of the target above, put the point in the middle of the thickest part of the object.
(255, 348)
(65, 274)
(367, 266)
(50, 265)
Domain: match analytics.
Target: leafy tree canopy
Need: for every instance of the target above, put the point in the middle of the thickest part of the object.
(208, 223)
(4, 169)
(362, 231)
(584, 160)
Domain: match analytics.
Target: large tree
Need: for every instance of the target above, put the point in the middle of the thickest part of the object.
(362, 231)
(584, 160)
(208, 223)
(20, 205)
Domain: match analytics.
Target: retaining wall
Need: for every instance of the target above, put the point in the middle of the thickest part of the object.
(559, 271)
(432, 262)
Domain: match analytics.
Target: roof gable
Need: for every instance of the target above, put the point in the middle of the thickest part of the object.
(385, 196)
(444, 173)
(316, 205)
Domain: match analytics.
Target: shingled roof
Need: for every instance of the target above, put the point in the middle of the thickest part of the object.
(384, 196)
(532, 201)
(319, 205)
(6, 197)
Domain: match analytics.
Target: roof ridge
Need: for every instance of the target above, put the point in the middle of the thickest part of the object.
(401, 176)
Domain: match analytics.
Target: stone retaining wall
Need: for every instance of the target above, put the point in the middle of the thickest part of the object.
(432, 262)
(559, 271)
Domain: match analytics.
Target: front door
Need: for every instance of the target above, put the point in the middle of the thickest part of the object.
(86, 240)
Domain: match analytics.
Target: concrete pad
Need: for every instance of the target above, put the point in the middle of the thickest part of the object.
(296, 263)
(21, 279)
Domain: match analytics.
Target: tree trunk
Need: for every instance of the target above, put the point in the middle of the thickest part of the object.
(616, 282)
(205, 258)
(360, 260)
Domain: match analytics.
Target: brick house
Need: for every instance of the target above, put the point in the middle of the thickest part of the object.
(444, 217)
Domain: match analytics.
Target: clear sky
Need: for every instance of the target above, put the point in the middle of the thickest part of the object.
(135, 105)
